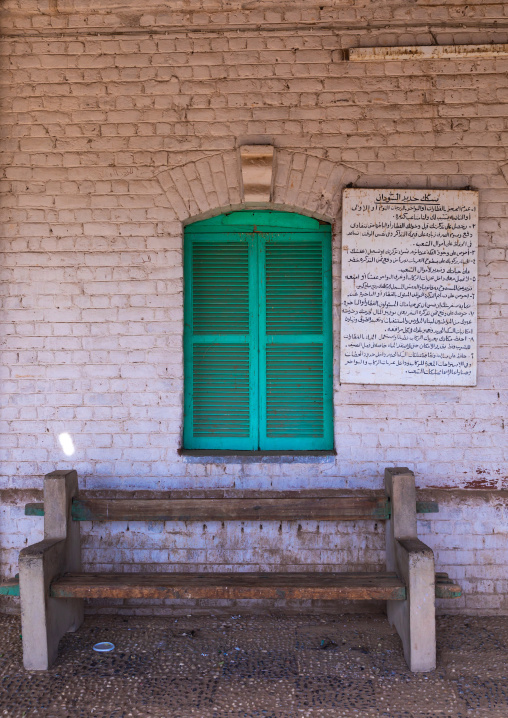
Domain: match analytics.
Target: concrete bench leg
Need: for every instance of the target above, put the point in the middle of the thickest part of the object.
(44, 620)
(415, 618)
(413, 561)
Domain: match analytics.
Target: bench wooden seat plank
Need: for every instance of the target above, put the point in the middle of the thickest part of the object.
(445, 587)
(303, 586)
(341, 508)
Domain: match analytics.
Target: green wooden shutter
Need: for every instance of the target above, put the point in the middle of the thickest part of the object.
(220, 342)
(258, 333)
(295, 341)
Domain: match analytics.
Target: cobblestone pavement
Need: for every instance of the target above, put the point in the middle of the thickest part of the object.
(258, 667)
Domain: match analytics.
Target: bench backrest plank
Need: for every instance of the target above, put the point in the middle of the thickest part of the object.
(341, 508)
(227, 509)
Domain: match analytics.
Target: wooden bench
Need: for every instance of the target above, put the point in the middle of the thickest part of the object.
(52, 586)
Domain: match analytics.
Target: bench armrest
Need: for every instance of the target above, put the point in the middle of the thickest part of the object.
(412, 555)
(43, 619)
(413, 561)
(415, 621)
(42, 561)
(41, 548)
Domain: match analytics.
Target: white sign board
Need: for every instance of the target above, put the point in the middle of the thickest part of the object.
(409, 277)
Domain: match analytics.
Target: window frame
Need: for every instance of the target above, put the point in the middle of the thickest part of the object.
(249, 223)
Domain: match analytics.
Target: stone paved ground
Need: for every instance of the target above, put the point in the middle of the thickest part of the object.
(258, 667)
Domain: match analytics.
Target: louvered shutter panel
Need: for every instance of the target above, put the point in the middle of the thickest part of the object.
(295, 341)
(220, 342)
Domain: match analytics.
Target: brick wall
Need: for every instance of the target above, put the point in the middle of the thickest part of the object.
(117, 127)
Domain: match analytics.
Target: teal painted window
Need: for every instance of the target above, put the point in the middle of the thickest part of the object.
(258, 333)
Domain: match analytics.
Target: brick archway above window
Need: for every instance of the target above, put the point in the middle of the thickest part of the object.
(301, 182)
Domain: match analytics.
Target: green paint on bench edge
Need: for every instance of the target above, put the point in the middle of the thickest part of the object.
(10, 587)
(382, 513)
(443, 590)
(80, 512)
(402, 594)
(427, 507)
(34, 510)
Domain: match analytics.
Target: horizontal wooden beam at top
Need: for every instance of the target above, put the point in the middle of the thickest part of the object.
(428, 52)
(300, 586)
(346, 508)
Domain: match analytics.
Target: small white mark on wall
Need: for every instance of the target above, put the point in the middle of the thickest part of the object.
(66, 443)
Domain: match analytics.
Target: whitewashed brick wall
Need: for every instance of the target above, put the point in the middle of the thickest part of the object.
(118, 126)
